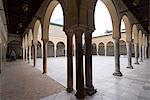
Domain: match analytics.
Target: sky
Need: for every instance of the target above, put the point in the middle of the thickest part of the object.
(102, 19)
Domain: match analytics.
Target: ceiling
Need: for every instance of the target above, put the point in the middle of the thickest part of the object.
(141, 10)
(19, 13)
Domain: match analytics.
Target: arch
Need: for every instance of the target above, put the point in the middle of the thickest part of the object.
(30, 37)
(113, 13)
(94, 49)
(127, 27)
(135, 33)
(16, 46)
(101, 49)
(47, 17)
(110, 48)
(39, 50)
(36, 31)
(140, 37)
(50, 49)
(60, 49)
(123, 49)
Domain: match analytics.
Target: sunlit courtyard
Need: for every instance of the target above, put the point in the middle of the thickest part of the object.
(129, 87)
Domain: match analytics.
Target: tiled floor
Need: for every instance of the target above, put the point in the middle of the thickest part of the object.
(20, 81)
(134, 85)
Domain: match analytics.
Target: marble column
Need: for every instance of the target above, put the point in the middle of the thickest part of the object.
(35, 54)
(45, 42)
(55, 48)
(140, 53)
(117, 57)
(88, 64)
(29, 61)
(69, 63)
(23, 53)
(79, 66)
(146, 52)
(0, 58)
(136, 53)
(26, 54)
(105, 47)
(96, 50)
(129, 54)
(143, 52)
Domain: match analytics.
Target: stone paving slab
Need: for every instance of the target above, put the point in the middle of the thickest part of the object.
(21, 81)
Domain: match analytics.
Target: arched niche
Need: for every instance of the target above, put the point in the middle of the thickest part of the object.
(123, 49)
(50, 49)
(101, 49)
(39, 50)
(94, 49)
(60, 49)
(16, 46)
(110, 48)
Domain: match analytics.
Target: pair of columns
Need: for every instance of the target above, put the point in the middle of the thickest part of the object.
(82, 90)
(45, 42)
(142, 52)
(27, 54)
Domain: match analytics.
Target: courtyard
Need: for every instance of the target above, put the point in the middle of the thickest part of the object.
(134, 85)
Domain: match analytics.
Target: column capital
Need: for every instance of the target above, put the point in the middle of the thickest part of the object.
(116, 38)
(129, 41)
(89, 31)
(45, 40)
(29, 45)
(69, 32)
(35, 43)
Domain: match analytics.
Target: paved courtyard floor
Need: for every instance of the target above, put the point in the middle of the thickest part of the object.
(21, 81)
(134, 85)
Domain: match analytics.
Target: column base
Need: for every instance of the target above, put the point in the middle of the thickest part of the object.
(117, 74)
(69, 90)
(137, 63)
(44, 72)
(90, 91)
(141, 61)
(130, 67)
(80, 94)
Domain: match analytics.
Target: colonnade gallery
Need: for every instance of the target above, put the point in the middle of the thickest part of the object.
(76, 36)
